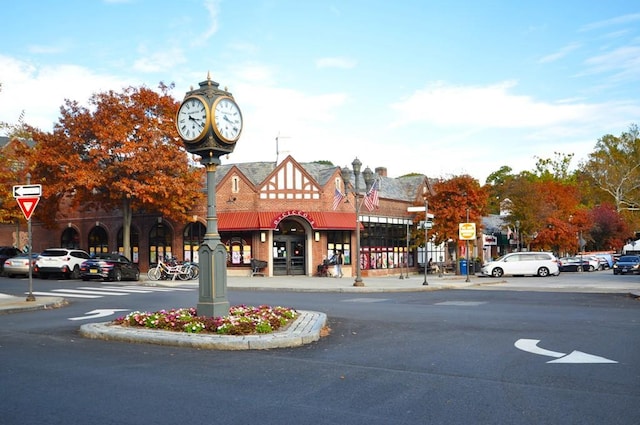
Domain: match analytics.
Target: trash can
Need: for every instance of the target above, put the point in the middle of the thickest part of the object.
(463, 267)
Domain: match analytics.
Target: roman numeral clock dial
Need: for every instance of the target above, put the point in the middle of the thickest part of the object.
(192, 119)
(227, 119)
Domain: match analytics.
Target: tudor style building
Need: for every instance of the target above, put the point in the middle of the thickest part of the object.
(281, 214)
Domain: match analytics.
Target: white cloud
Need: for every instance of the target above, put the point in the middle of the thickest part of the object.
(491, 106)
(336, 62)
(40, 92)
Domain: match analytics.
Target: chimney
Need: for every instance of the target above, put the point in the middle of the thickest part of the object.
(381, 171)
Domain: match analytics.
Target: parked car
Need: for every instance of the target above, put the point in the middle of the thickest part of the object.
(595, 263)
(7, 252)
(523, 263)
(19, 265)
(63, 261)
(573, 264)
(113, 267)
(627, 264)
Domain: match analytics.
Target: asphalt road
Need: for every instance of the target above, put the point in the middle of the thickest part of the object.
(441, 357)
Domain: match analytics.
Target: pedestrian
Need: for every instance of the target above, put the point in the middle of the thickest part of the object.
(338, 264)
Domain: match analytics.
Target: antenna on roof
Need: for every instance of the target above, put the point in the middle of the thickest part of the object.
(278, 137)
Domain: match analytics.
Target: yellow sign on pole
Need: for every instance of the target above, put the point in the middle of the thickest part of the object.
(467, 231)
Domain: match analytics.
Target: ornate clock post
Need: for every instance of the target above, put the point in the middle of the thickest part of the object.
(209, 123)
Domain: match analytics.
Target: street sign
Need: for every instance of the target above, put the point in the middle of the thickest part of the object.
(28, 205)
(27, 190)
(467, 231)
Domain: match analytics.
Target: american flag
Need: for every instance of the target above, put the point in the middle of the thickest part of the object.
(337, 198)
(371, 199)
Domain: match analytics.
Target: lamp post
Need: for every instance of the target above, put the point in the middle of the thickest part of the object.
(426, 237)
(517, 236)
(368, 179)
(467, 241)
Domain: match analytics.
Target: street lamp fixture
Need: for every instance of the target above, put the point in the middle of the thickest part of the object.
(355, 189)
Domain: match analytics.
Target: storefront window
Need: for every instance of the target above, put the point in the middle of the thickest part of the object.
(193, 237)
(339, 241)
(238, 248)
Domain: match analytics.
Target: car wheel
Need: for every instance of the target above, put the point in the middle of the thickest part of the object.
(75, 273)
(117, 275)
(136, 276)
(543, 272)
(497, 272)
(592, 269)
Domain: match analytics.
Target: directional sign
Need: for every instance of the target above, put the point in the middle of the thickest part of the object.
(28, 205)
(27, 190)
(531, 346)
(467, 231)
(94, 314)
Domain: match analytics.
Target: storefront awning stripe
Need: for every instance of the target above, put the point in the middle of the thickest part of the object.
(247, 220)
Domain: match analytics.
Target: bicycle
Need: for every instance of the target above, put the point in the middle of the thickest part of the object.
(166, 271)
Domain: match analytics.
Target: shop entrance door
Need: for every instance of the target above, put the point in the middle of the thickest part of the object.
(288, 255)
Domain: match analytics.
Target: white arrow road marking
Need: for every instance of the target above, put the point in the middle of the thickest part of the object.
(97, 313)
(531, 346)
(580, 357)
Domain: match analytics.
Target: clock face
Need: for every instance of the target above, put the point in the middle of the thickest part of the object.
(192, 119)
(227, 119)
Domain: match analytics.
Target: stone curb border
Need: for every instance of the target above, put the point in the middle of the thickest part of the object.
(304, 330)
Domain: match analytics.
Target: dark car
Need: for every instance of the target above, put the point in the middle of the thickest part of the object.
(7, 252)
(627, 264)
(114, 267)
(573, 264)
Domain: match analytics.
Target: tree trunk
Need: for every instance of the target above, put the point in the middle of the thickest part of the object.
(126, 228)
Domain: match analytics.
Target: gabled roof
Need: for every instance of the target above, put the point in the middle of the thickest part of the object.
(401, 189)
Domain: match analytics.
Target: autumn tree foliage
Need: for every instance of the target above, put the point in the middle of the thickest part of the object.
(449, 202)
(15, 164)
(119, 153)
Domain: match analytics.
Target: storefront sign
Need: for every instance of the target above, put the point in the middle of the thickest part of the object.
(289, 213)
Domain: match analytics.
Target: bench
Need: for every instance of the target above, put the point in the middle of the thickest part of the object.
(257, 267)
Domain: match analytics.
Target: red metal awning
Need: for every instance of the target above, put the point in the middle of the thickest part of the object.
(248, 220)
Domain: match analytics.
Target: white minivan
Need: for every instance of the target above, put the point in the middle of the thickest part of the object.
(523, 263)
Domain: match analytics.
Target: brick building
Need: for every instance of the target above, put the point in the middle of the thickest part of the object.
(279, 213)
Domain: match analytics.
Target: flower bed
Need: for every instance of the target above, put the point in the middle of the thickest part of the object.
(242, 320)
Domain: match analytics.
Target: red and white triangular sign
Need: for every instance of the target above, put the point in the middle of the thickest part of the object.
(28, 205)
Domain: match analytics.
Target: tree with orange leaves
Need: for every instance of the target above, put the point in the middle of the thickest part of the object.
(123, 153)
(450, 201)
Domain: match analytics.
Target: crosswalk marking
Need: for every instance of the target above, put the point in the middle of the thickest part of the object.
(53, 294)
(99, 292)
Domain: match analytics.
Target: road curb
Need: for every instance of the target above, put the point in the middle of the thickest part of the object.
(304, 330)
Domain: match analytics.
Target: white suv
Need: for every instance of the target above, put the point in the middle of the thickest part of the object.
(60, 260)
(523, 263)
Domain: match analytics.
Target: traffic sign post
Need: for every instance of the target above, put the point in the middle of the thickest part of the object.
(28, 196)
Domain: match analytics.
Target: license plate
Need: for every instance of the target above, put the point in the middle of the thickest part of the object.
(95, 271)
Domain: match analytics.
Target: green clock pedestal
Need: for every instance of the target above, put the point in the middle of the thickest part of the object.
(212, 299)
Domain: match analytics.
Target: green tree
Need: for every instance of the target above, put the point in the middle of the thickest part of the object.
(614, 166)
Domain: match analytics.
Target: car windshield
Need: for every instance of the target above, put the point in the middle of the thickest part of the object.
(629, 259)
(54, 253)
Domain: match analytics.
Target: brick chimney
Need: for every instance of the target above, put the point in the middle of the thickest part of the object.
(381, 171)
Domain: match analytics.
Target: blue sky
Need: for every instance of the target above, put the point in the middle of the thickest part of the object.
(435, 87)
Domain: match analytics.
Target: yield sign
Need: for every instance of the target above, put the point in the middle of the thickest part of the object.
(28, 205)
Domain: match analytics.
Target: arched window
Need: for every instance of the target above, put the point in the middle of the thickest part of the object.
(70, 238)
(193, 237)
(98, 241)
(134, 243)
(160, 238)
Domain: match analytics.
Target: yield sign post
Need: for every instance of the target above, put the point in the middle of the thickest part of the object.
(28, 205)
